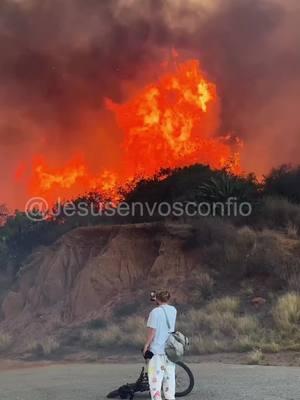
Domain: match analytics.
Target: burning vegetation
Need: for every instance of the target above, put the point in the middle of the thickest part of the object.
(60, 136)
(167, 124)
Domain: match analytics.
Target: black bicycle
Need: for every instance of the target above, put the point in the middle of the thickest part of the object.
(184, 384)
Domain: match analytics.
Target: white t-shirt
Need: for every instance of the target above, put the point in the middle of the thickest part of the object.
(157, 321)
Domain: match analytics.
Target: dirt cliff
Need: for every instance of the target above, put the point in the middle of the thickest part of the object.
(91, 270)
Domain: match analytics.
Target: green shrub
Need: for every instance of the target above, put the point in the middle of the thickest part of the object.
(279, 212)
(284, 181)
(200, 286)
(126, 309)
(97, 323)
(226, 248)
(276, 255)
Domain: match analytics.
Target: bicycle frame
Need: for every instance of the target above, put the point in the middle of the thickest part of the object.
(142, 383)
(128, 390)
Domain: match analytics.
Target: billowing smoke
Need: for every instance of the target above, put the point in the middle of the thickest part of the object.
(60, 59)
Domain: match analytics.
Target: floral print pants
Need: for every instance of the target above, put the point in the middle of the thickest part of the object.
(161, 373)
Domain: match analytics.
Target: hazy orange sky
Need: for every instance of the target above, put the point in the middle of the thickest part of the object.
(60, 60)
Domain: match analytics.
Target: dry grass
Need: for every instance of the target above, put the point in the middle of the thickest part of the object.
(219, 327)
(255, 253)
(247, 324)
(200, 286)
(270, 347)
(293, 281)
(204, 283)
(244, 252)
(108, 336)
(204, 345)
(286, 313)
(134, 332)
(85, 336)
(45, 347)
(50, 345)
(5, 341)
(255, 357)
(129, 333)
(248, 291)
(226, 248)
(279, 212)
(244, 343)
(292, 230)
(223, 305)
(34, 347)
(266, 255)
(133, 324)
(192, 321)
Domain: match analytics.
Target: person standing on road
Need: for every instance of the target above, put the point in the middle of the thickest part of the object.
(161, 371)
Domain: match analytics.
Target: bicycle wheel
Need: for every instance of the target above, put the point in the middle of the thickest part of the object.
(184, 379)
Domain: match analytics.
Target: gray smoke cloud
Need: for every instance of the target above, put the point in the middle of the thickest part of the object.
(61, 58)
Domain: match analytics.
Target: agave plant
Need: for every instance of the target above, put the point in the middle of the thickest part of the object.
(224, 186)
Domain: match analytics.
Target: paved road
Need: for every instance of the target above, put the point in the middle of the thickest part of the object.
(92, 382)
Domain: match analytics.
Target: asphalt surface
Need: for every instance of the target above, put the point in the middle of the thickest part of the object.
(93, 382)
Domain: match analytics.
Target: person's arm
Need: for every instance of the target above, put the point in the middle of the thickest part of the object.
(150, 336)
(151, 330)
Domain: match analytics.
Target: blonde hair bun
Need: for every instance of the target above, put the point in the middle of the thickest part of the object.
(163, 295)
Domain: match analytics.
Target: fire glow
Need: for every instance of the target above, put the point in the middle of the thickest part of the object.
(170, 123)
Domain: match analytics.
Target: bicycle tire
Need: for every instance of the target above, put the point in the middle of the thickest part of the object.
(191, 378)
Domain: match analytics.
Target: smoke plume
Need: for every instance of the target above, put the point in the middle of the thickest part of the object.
(60, 60)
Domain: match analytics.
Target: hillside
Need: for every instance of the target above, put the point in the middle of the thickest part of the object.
(89, 271)
(90, 289)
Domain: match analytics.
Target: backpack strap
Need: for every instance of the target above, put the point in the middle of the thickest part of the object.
(167, 319)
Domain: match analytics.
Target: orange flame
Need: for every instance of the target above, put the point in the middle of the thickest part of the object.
(173, 123)
(65, 178)
(168, 124)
